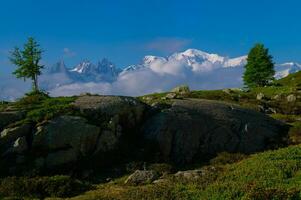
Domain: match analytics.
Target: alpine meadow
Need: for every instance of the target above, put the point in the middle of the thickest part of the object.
(161, 100)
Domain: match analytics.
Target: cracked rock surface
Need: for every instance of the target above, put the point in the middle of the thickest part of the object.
(193, 128)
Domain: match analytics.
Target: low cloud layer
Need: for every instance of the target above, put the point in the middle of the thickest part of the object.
(158, 77)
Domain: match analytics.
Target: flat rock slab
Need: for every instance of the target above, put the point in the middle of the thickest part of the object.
(193, 128)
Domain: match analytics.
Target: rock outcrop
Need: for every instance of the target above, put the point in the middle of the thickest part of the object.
(99, 126)
(191, 130)
(103, 128)
(67, 132)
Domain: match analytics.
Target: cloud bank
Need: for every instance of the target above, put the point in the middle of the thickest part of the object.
(158, 77)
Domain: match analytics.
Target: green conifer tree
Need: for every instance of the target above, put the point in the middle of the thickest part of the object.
(28, 62)
(259, 70)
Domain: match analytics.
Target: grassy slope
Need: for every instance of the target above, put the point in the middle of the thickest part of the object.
(269, 175)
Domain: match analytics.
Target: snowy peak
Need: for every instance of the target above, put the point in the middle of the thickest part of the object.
(132, 68)
(84, 67)
(86, 71)
(197, 56)
(234, 62)
(105, 66)
(283, 70)
(147, 60)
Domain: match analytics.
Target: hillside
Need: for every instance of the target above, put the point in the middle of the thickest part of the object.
(220, 144)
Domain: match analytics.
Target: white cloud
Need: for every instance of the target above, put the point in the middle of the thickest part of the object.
(158, 77)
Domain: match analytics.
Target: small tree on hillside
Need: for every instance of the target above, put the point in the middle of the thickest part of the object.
(27, 61)
(259, 70)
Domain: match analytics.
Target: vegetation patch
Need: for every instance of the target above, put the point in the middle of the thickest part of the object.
(41, 187)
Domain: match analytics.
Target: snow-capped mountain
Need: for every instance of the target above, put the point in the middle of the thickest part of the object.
(285, 69)
(198, 69)
(198, 61)
(107, 70)
(86, 71)
(85, 67)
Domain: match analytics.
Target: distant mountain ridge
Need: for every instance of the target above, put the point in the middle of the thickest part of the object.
(198, 61)
(198, 69)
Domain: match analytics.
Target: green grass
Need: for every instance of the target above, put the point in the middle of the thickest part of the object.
(292, 80)
(49, 108)
(269, 175)
(41, 187)
(41, 107)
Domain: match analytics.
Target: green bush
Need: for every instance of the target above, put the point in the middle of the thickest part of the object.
(32, 98)
(41, 187)
(227, 158)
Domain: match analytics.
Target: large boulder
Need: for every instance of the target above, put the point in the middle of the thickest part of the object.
(65, 132)
(119, 117)
(112, 111)
(193, 129)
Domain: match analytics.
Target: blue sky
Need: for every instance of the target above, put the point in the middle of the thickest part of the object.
(126, 30)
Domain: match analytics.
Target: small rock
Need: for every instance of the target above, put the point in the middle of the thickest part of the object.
(183, 89)
(190, 174)
(260, 96)
(277, 97)
(148, 98)
(291, 98)
(194, 174)
(20, 145)
(141, 177)
(171, 96)
(108, 179)
(227, 91)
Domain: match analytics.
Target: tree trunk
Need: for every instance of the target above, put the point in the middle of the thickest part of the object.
(35, 83)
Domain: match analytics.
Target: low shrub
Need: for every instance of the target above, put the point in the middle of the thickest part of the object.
(227, 158)
(41, 187)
